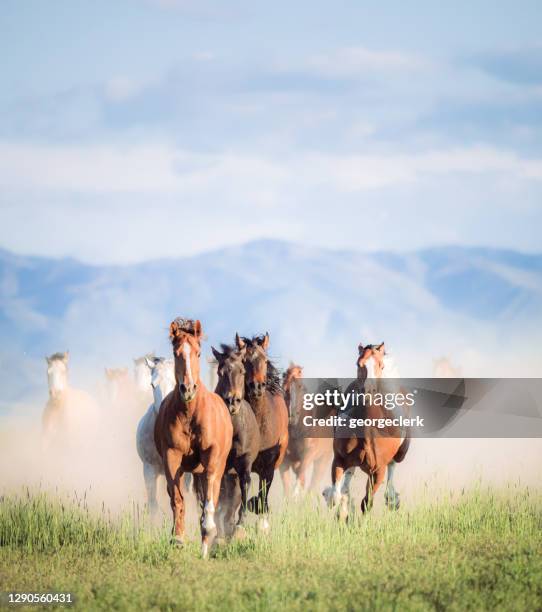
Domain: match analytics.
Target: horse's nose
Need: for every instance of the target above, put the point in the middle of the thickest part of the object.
(188, 390)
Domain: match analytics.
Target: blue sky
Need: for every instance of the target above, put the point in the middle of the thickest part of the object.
(154, 128)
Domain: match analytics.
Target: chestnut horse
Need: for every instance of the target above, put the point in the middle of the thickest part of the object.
(264, 393)
(377, 451)
(192, 433)
(246, 440)
(302, 452)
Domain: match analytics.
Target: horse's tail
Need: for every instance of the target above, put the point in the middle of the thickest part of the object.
(403, 449)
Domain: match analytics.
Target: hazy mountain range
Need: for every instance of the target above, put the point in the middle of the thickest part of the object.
(479, 306)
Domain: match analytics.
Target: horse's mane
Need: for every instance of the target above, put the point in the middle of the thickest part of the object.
(273, 381)
(57, 356)
(228, 349)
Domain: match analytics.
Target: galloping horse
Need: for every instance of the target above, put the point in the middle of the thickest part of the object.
(302, 452)
(376, 451)
(246, 439)
(162, 373)
(264, 393)
(70, 413)
(193, 433)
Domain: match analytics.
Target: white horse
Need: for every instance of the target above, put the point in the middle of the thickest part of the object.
(162, 380)
(69, 413)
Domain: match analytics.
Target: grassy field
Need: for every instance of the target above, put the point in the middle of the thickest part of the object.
(478, 550)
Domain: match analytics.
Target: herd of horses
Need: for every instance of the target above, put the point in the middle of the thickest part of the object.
(250, 423)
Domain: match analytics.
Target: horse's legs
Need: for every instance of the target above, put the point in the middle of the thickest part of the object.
(373, 483)
(211, 496)
(391, 496)
(318, 472)
(229, 501)
(332, 494)
(286, 476)
(244, 484)
(150, 474)
(172, 469)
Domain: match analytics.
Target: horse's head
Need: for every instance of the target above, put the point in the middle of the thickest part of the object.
(185, 336)
(256, 363)
(142, 375)
(162, 378)
(372, 357)
(57, 373)
(231, 376)
(293, 372)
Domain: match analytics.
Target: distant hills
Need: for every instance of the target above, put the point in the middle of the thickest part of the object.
(479, 306)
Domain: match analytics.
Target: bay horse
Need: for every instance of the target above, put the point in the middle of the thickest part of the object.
(162, 381)
(302, 452)
(246, 439)
(377, 451)
(192, 433)
(264, 393)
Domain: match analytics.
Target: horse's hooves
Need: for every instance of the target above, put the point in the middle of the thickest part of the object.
(393, 502)
(178, 541)
(263, 526)
(239, 533)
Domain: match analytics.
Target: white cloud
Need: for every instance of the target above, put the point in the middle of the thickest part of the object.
(161, 169)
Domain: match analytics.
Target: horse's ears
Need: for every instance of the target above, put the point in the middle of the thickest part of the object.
(197, 329)
(239, 342)
(242, 352)
(217, 354)
(173, 330)
(150, 362)
(66, 356)
(265, 341)
(361, 348)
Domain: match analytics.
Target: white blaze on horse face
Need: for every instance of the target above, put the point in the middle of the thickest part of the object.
(370, 365)
(186, 352)
(57, 376)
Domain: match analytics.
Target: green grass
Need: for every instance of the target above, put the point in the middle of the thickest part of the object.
(481, 550)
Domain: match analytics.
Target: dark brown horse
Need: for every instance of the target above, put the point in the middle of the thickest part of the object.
(264, 393)
(246, 440)
(193, 433)
(302, 452)
(376, 451)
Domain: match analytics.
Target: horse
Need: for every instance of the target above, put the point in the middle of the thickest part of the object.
(264, 394)
(302, 452)
(246, 439)
(119, 384)
(69, 412)
(193, 433)
(377, 451)
(142, 372)
(162, 383)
